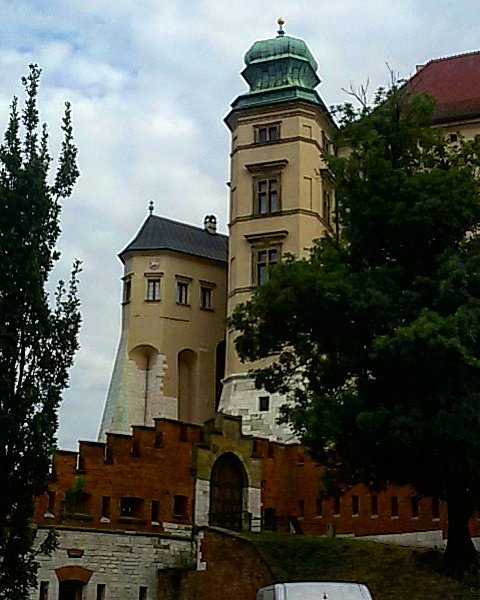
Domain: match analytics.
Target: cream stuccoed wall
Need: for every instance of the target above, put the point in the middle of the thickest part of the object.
(145, 380)
(296, 159)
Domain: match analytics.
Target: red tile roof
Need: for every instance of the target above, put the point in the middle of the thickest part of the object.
(455, 83)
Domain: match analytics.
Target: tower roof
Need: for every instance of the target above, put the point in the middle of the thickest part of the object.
(280, 46)
(279, 69)
(159, 233)
(454, 82)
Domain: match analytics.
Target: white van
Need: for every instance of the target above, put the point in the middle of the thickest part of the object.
(314, 590)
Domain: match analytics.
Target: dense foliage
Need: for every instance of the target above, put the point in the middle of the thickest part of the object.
(377, 334)
(38, 335)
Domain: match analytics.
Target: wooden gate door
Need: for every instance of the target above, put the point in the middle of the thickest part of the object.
(227, 483)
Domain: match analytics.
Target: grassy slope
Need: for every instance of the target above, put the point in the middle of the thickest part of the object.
(391, 572)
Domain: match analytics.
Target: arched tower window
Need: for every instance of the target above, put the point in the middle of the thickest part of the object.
(187, 385)
(228, 484)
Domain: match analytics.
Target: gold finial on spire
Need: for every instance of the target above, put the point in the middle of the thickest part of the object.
(151, 207)
(281, 23)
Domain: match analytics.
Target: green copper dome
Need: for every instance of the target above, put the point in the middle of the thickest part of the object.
(278, 70)
(281, 46)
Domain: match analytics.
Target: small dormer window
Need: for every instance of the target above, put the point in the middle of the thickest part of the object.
(267, 133)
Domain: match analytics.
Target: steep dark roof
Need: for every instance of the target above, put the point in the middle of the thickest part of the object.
(158, 233)
(454, 81)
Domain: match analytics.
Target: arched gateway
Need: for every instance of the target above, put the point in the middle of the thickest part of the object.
(228, 483)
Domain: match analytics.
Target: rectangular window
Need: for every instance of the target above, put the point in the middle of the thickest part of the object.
(43, 590)
(264, 403)
(394, 506)
(327, 206)
(182, 292)
(414, 503)
(325, 142)
(153, 289)
(142, 592)
(180, 506)
(264, 259)
(100, 591)
(158, 438)
(206, 295)
(51, 502)
(267, 133)
(355, 506)
(106, 507)
(131, 507)
(374, 506)
(266, 196)
(319, 507)
(127, 290)
(435, 508)
(336, 505)
(154, 511)
(184, 433)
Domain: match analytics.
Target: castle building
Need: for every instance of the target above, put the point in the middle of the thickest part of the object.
(179, 282)
(188, 449)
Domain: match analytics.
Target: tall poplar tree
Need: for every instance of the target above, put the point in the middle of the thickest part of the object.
(38, 334)
(377, 334)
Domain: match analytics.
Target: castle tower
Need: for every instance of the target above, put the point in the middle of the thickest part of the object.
(280, 194)
(170, 357)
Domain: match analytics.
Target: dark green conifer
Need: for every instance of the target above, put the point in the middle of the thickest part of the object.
(38, 334)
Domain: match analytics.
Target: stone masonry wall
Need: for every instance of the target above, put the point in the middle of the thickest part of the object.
(122, 562)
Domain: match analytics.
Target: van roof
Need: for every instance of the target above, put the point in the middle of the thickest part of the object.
(323, 590)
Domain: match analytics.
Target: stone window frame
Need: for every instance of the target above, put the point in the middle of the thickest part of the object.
(264, 403)
(127, 288)
(264, 242)
(182, 290)
(155, 278)
(44, 590)
(267, 172)
(143, 592)
(328, 208)
(267, 133)
(206, 295)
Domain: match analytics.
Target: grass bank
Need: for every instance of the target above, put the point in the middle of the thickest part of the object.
(391, 572)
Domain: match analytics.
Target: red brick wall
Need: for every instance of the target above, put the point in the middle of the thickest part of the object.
(292, 480)
(155, 464)
(234, 569)
(126, 466)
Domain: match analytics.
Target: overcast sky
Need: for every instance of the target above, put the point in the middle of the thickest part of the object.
(150, 83)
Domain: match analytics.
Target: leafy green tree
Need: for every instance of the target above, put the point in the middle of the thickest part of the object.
(38, 335)
(377, 334)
